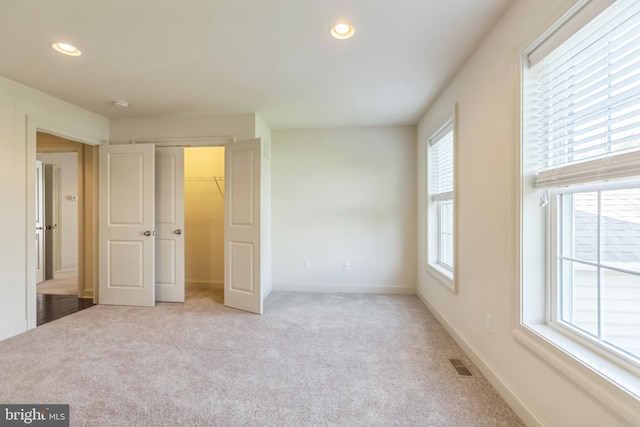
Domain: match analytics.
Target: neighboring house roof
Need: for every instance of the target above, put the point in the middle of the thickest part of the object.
(620, 232)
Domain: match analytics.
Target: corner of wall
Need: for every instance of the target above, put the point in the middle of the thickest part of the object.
(262, 130)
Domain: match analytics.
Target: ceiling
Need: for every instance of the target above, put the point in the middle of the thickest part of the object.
(272, 57)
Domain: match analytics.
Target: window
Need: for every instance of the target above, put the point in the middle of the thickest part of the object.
(441, 203)
(580, 239)
(597, 265)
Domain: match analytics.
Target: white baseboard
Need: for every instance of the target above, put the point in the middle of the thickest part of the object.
(519, 406)
(364, 289)
(68, 267)
(12, 329)
(216, 285)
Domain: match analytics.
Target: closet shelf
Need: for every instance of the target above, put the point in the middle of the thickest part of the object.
(216, 179)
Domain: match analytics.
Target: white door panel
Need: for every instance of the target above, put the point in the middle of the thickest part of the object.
(242, 256)
(127, 220)
(242, 233)
(170, 224)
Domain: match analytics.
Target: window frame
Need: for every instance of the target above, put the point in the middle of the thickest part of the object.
(554, 287)
(445, 274)
(441, 206)
(614, 386)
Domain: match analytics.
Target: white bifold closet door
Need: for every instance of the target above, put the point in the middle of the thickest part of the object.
(170, 224)
(127, 225)
(242, 226)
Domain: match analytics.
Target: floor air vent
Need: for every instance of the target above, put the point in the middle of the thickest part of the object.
(460, 367)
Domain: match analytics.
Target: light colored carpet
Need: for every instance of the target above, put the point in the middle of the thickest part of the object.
(310, 360)
(63, 283)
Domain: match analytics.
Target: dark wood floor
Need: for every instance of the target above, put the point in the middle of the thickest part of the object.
(52, 307)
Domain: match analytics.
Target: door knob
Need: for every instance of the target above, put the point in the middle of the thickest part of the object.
(149, 233)
(178, 231)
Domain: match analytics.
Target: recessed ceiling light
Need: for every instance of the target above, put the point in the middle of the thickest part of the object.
(121, 104)
(343, 31)
(67, 49)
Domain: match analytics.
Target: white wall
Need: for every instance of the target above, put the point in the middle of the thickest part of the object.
(68, 208)
(17, 102)
(344, 194)
(242, 126)
(486, 92)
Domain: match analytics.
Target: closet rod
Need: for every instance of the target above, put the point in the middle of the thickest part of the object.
(204, 178)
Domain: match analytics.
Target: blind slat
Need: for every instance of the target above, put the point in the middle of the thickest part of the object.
(562, 122)
(569, 133)
(621, 74)
(610, 130)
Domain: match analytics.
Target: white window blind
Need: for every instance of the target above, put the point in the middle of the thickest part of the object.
(589, 101)
(441, 164)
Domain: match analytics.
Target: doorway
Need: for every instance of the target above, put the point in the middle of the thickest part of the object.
(189, 222)
(65, 286)
(60, 259)
(204, 218)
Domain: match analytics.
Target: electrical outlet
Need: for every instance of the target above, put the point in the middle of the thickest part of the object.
(307, 265)
(347, 266)
(488, 323)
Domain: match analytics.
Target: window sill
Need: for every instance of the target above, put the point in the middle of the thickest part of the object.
(442, 275)
(612, 385)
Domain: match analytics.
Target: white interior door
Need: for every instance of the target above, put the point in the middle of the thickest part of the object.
(170, 224)
(242, 226)
(127, 221)
(40, 264)
(50, 220)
